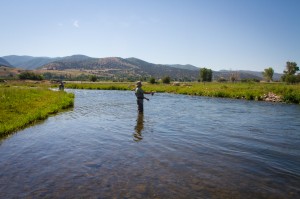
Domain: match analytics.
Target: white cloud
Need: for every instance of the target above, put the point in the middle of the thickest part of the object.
(76, 24)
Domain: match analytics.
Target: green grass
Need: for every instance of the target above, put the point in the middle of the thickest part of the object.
(101, 86)
(248, 91)
(24, 103)
(21, 106)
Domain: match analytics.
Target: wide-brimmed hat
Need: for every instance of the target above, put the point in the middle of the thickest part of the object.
(139, 83)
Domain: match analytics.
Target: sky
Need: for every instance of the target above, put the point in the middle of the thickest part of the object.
(216, 34)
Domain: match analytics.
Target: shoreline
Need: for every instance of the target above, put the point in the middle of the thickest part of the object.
(43, 102)
(269, 92)
(24, 106)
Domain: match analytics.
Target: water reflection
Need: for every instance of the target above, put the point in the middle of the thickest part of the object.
(137, 136)
(181, 150)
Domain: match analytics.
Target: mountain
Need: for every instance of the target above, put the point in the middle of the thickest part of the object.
(276, 76)
(3, 62)
(74, 58)
(89, 64)
(160, 70)
(187, 66)
(16, 60)
(113, 65)
(246, 74)
(31, 63)
(36, 62)
(119, 67)
(28, 62)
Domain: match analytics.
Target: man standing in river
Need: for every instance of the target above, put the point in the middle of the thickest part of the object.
(139, 93)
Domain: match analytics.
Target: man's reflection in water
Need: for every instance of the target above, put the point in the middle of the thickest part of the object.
(137, 136)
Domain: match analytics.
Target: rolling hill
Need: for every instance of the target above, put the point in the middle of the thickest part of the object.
(31, 63)
(118, 66)
(3, 62)
(246, 74)
(28, 62)
(121, 67)
(186, 66)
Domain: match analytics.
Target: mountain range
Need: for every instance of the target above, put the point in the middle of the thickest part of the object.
(118, 66)
(3, 62)
(31, 63)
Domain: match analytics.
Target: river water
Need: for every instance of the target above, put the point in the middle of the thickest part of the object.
(181, 147)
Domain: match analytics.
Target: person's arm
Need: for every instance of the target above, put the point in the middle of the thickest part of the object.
(148, 93)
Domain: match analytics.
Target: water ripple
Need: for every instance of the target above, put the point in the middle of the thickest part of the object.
(182, 147)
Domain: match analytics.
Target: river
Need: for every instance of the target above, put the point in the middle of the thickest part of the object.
(181, 147)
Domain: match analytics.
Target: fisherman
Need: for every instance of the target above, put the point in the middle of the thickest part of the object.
(61, 86)
(139, 93)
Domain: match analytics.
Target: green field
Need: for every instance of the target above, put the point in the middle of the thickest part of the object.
(248, 91)
(21, 106)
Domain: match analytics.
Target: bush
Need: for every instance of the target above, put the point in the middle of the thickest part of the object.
(291, 96)
(93, 78)
(152, 80)
(30, 75)
(166, 80)
(205, 75)
(250, 80)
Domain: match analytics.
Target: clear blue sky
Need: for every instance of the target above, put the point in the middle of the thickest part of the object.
(217, 34)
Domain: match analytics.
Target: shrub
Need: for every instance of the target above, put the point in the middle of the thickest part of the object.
(205, 75)
(152, 80)
(250, 80)
(166, 80)
(30, 75)
(290, 79)
(291, 96)
(93, 78)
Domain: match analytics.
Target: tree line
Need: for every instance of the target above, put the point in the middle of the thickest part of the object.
(289, 75)
(205, 75)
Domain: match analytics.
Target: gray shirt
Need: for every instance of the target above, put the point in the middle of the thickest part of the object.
(139, 93)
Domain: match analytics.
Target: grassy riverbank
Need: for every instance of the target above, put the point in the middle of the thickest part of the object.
(21, 106)
(248, 91)
(23, 103)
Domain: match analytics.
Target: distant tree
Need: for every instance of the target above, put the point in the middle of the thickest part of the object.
(298, 77)
(250, 80)
(166, 80)
(81, 77)
(289, 74)
(290, 79)
(291, 68)
(152, 80)
(234, 76)
(93, 78)
(268, 74)
(210, 75)
(205, 75)
(143, 78)
(48, 75)
(31, 76)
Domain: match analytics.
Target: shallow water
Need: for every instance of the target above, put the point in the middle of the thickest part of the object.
(182, 147)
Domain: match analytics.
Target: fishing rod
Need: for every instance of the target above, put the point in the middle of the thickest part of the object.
(152, 93)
